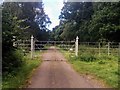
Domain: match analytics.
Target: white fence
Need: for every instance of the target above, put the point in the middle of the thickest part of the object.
(108, 48)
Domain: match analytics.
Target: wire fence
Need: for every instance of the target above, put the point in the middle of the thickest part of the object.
(94, 48)
(106, 48)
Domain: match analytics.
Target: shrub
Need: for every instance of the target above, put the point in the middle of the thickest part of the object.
(106, 57)
(101, 62)
(12, 60)
(87, 57)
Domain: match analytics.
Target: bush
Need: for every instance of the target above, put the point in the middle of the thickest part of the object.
(20, 77)
(106, 57)
(87, 57)
(12, 60)
(102, 62)
(118, 59)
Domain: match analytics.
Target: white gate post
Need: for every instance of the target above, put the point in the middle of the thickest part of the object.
(32, 46)
(14, 44)
(76, 46)
(99, 48)
(119, 50)
(108, 48)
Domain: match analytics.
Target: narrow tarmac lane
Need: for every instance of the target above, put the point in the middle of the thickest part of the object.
(55, 72)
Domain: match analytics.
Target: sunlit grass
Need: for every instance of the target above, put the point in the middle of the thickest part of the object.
(102, 67)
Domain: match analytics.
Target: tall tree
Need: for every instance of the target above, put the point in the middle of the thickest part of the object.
(91, 21)
(73, 14)
(19, 19)
(105, 22)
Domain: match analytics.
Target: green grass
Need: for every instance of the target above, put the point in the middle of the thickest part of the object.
(101, 67)
(19, 78)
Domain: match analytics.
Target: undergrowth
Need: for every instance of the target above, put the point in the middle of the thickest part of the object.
(103, 67)
(18, 78)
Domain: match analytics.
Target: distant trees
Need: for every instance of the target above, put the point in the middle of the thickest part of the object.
(91, 21)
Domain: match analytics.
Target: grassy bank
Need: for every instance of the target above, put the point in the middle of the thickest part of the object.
(101, 67)
(19, 78)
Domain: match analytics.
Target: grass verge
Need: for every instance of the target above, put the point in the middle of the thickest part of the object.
(19, 78)
(102, 67)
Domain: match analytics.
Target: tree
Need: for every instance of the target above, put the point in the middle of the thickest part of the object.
(91, 21)
(19, 19)
(73, 14)
(105, 22)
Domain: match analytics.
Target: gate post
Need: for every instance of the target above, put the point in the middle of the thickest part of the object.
(32, 46)
(108, 48)
(14, 44)
(99, 48)
(76, 46)
(119, 50)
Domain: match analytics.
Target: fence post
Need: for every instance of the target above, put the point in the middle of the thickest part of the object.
(32, 46)
(99, 48)
(76, 46)
(14, 44)
(108, 48)
(119, 50)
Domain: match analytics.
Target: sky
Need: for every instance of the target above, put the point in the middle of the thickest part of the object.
(52, 9)
(1, 1)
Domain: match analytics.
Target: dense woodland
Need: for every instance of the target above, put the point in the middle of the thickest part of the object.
(91, 21)
(20, 20)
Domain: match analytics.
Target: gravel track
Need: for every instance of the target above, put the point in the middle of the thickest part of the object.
(55, 72)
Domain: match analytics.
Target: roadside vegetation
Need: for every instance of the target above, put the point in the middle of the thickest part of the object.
(20, 20)
(101, 67)
(19, 77)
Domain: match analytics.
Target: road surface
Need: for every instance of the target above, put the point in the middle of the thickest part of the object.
(55, 72)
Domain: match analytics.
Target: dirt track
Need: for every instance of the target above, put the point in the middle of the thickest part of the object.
(55, 72)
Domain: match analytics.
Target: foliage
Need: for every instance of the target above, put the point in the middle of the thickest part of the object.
(87, 58)
(106, 22)
(20, 20)
(72, 16)
(25, 19)
(19, 78)
(12, 60)
(35, 17)
(91, 21)
(55, 34)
